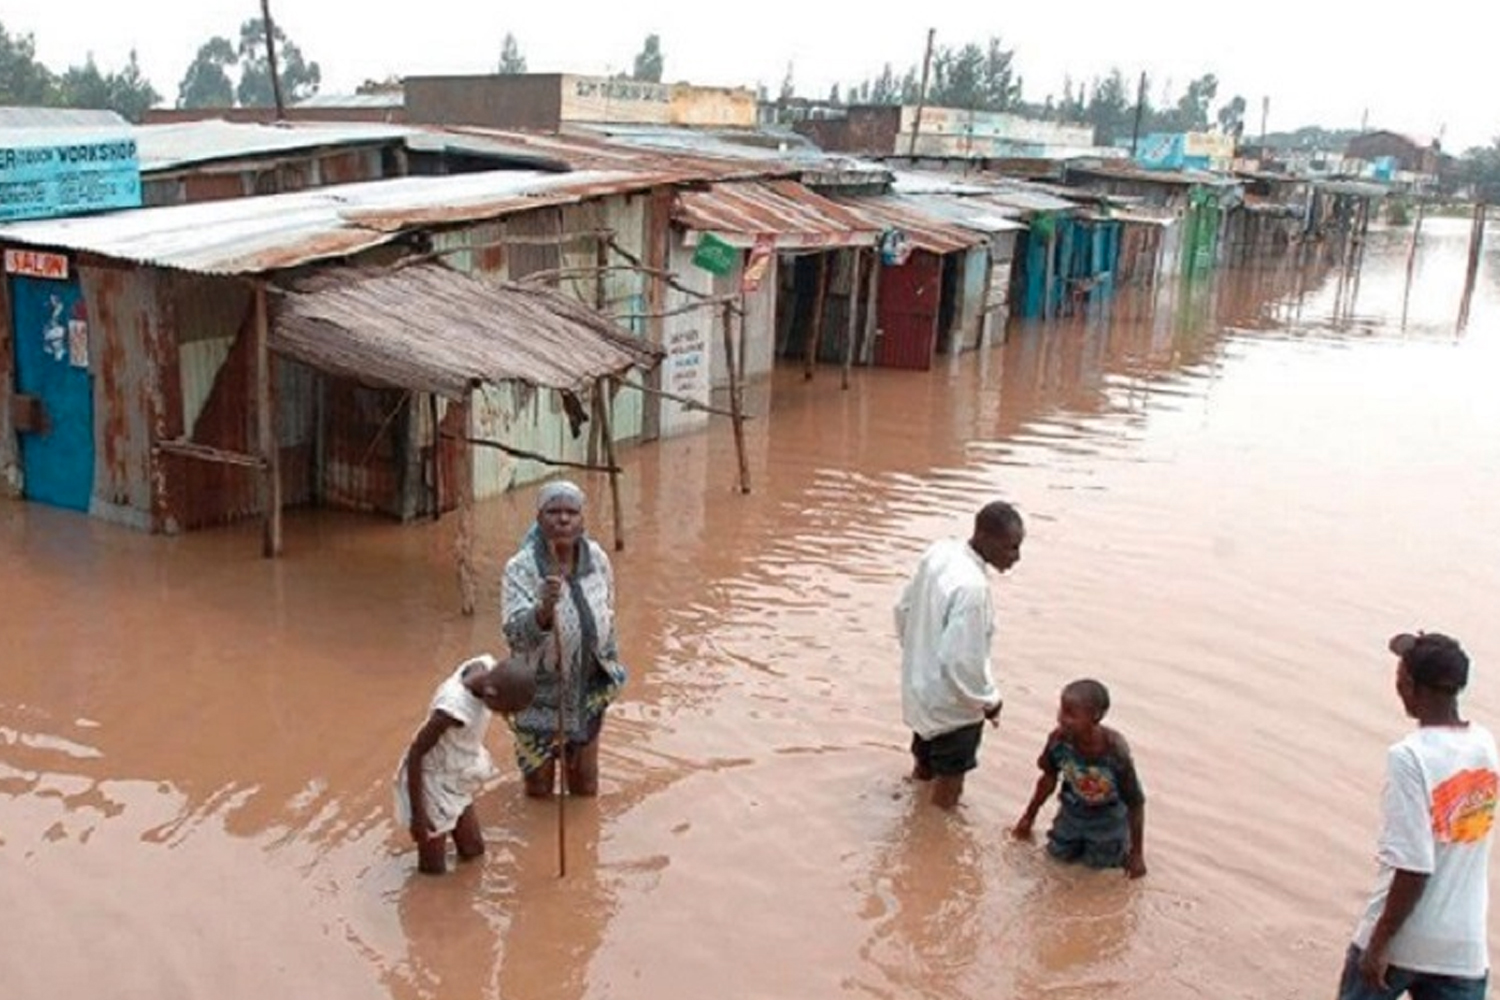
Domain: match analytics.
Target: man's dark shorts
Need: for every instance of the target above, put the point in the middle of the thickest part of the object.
(951, 753)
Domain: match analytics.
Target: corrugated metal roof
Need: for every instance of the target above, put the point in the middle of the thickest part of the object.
(921, 182)
(1027, 200)
(383, 99)
(1171, 178)
(585, 152)
(795, 216)
(184, 144)
(61, 118)
(970, 213)
(253, 235)
(793, 153)
(922, 229)
(430, 328)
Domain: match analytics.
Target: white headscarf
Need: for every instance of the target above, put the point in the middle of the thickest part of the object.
(559, 489)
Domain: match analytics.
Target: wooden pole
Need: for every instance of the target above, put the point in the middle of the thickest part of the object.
(851, 327)
(1140, 108)
(815, 335)
(437, 457)
(603, 401)
(561, 740)
(872, 309)
(1050, 273)
(464, 543)
(736, 406)
(265, 14)
(1476, 245)
(916, 124)
(270, 450)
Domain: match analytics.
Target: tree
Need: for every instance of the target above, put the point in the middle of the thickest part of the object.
(788, 84)
(299, 78)
(130, 93)
(958, 77)
(206, 84)
(1231, 116)
(649, 61)
(834, 97)
(512, 62)
(885, 89)
(1110, 109)
(1479, 169)
(1191, 113)
(23, 80)
(1000, 87)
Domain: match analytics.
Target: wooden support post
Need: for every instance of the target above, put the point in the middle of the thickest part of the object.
(851, 327)
(815, 335)
(270, 449)
(1049, 274)
(437, 457)
(1476, 245)
(603, 401)
(464, 541)
(736, 404)
(872, 309)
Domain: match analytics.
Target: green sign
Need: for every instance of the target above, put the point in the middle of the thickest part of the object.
(714, 255)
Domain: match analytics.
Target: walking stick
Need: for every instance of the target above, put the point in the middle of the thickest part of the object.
(562, 733)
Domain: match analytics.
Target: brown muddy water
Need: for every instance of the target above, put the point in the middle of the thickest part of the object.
(1232, 501)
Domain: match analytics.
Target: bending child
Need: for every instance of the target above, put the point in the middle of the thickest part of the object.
(1101, 818)
(448, 763)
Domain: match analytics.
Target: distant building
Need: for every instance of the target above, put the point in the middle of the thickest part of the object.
(891, 130)
(1213, 151)
(549, 101)
(1412, 154)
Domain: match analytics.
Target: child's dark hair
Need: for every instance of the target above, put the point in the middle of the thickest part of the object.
(1091, 693)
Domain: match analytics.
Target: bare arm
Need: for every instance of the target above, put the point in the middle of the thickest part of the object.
(1045, 786)
(1406, 890)
(427, 737)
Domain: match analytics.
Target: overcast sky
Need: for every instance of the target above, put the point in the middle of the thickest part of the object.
(1419, 69)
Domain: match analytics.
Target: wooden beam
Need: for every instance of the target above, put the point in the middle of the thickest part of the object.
(851, 326)
(206, 453)
(815, 335)
(523, 453)
(736, 405)
(603, 401)
(463, 545)
(270, 448)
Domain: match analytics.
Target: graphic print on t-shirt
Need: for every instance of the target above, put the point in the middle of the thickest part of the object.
(1463, 807)
(1094, 785)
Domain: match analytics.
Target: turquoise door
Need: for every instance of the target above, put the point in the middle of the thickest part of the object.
(52, 363)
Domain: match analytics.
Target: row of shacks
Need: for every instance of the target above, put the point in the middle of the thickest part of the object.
(402, 320)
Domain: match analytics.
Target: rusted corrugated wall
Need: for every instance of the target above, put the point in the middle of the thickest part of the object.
(129, 345)
(10, 457)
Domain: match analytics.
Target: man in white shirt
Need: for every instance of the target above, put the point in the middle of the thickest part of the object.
(945, 622)
(1424, 931)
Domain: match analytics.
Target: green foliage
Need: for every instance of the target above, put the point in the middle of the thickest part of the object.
(649, 62)
(512, 62)
(25, 81)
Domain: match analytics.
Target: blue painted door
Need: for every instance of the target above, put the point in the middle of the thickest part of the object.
(52, 363)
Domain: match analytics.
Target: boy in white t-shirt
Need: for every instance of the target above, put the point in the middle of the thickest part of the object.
(1424, 931)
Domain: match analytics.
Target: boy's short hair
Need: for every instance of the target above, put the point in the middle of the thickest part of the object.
(998, 518)
(1091, 693)
(1433, 660)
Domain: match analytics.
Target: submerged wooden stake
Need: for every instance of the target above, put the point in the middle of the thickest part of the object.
(464, 544)
(603, 401)
(736, 405)
(266, 427)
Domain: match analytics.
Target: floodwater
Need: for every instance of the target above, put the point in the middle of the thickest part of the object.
(1233, 499)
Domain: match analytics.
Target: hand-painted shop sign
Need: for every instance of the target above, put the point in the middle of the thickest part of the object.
(46, 179)
(714, 255)
(36, 264)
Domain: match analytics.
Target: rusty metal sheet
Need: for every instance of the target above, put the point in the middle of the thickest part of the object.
(254, 235)
(923, 230)
(793, 215)
(429, 328)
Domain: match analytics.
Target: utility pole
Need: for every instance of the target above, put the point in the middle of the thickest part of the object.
(265, 16)
(916, 125)
(1140, 109)
(1265, 112)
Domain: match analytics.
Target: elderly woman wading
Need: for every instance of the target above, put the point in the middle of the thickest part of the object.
(560, 583)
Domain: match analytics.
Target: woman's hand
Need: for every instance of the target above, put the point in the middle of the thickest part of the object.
(552, 588)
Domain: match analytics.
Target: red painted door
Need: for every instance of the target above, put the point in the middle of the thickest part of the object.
(909, 297)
